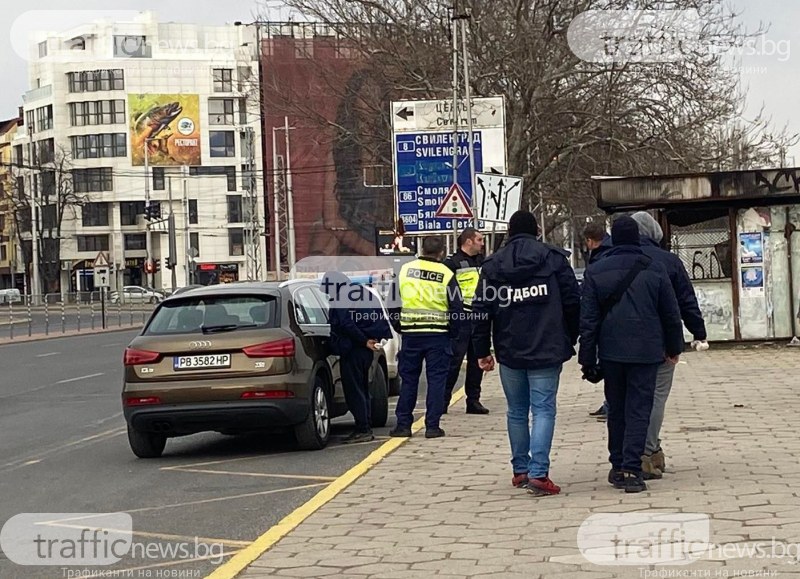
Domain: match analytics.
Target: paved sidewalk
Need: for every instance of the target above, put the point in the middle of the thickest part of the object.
(446, 507)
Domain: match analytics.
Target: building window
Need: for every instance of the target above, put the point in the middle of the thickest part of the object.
(46, 181)
(99, 146)
(43, 49)
(193, 211)
(236, 242)
(18, 155)
(48, 217)
(223, 79)
(129, 211)
(194, 243)
(95, 215)
(92, 180)
(129, 46)
(3, 253)
(235, 209)
(97, 113)
(135, 241)
(220, 111)
(229, 172)
(44, 152)
(96, 80)
(44, 118)
(30, 121)
(222, 143)
(93, 243)
(159, 181)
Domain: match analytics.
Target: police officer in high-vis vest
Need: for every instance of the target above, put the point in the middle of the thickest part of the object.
(466, 264)
(425, 306)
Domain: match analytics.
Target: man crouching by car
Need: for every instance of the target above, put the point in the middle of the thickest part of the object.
(357, 326)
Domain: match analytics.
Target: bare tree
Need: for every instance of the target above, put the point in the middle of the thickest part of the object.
(56, 200)
(567, 119)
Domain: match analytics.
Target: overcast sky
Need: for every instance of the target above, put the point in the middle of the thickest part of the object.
(772, 79)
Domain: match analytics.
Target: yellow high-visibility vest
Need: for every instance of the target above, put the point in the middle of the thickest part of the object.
(423, 291)
(467, 278)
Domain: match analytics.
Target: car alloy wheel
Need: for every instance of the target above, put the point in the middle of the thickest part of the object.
(321, 415)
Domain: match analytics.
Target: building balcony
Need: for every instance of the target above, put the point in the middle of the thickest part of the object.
(37, 94)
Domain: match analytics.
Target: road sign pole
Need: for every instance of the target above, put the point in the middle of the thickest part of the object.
(470, 134)
(455, 110)
(103, 306)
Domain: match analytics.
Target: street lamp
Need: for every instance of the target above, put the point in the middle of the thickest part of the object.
(149, 262)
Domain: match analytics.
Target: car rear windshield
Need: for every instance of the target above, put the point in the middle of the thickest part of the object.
(208, 314)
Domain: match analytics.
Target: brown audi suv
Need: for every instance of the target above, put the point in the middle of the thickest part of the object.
(236, 358)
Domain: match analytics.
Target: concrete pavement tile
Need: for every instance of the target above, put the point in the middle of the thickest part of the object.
(377, 569)
(281, 562)
(312, 571)
(464, 567)
(479, 554)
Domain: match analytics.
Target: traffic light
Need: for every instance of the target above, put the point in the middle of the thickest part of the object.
(169, 263)
(157, 264)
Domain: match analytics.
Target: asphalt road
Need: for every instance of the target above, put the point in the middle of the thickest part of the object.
(65, 450)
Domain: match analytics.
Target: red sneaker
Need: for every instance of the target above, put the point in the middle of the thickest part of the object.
(520, 480)
(542, 486)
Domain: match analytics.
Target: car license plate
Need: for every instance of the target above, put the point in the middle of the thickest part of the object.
(202, 362)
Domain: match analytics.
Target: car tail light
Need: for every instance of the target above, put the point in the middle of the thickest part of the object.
(141, 401)
(278, 349)
(134, 357)
(269, 395)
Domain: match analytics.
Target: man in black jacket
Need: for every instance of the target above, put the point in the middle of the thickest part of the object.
(466, 264)
(630, 322)
(653, 461)
(357, 326)
(597, 242)
(528, 303)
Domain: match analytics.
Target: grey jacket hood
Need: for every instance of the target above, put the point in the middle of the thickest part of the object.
(648, 226)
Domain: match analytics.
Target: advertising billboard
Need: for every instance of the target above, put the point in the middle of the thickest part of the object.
(168, 125)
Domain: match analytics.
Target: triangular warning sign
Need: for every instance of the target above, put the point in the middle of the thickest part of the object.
(454, 203)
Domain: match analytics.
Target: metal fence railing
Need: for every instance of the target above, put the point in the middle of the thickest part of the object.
(69, 313)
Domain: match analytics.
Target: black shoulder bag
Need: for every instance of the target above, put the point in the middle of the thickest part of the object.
(608, 304)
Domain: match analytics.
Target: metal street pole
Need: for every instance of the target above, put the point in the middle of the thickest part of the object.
(149, 277)
(187, 243)
(455, 110)
(289, 198)
(36, 284)
(468, 98)
(173, 245)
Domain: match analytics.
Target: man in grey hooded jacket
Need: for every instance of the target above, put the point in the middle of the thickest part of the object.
(653, 461)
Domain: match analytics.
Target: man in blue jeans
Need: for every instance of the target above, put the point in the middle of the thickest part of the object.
(528, 304)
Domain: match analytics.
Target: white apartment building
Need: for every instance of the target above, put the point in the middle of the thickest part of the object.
(106, 95)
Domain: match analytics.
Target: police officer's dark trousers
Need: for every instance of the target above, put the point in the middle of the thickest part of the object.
(629, 390)
(472, 381)
(355, 383)
(434, 350)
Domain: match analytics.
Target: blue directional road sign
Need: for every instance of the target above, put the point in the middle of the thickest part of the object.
(424, 167)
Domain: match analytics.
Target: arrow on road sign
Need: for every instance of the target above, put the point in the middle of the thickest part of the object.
(454, 204)
(404, 113)
(498, 196)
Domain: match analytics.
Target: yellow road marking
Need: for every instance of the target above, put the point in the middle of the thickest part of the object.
(246, 556)
(267, 475)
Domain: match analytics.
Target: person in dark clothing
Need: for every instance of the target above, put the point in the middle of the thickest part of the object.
(357, 326)
(528, 304)
(597, 242)
(466, 264)
(627, 333)
(653, 461)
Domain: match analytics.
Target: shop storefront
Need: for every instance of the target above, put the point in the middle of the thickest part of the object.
(133, 274)
(736, 233)
(212, 273)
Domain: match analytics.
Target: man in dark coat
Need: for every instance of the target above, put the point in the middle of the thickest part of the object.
(653, 461)
(357, 326)
(628, 340)
(527, 303)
